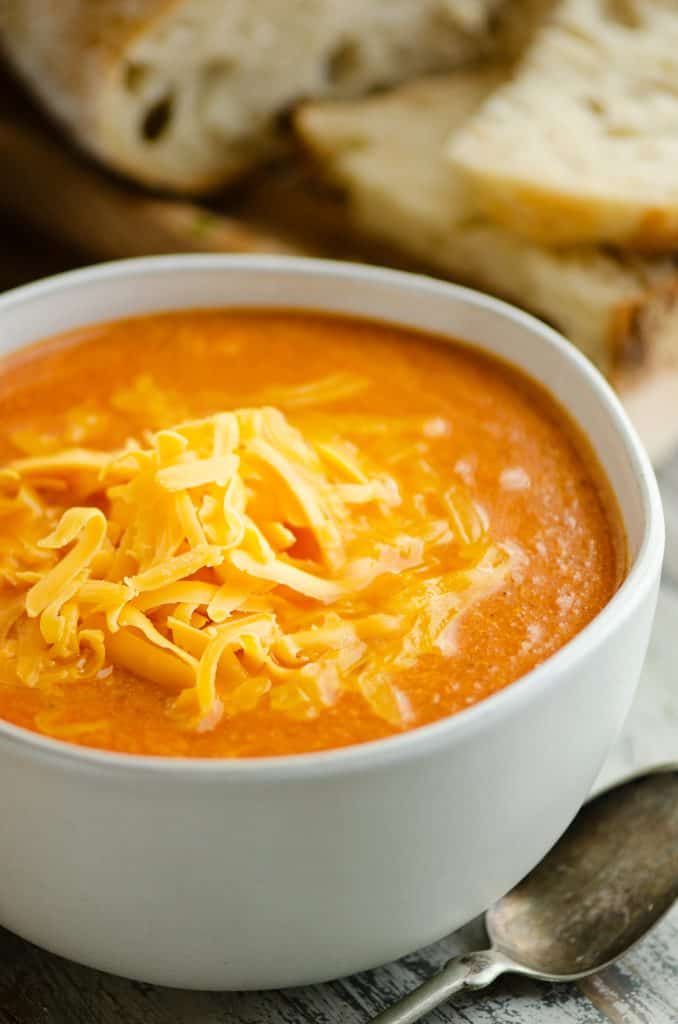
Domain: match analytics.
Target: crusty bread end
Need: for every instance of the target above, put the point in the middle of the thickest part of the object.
(187, 94)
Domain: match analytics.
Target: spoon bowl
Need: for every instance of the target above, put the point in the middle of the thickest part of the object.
(602, 886)
(600, 889)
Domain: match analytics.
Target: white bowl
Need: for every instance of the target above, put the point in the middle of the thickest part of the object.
(285, 871)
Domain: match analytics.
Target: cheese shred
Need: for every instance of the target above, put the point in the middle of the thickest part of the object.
(235, 560)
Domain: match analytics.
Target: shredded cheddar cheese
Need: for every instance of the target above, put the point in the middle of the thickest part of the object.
(236, 559)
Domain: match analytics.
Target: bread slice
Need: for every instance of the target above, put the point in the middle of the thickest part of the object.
(186, 94)
(582, 145)
(387, 152)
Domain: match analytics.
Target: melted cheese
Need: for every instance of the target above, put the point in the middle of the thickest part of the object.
(235, 559)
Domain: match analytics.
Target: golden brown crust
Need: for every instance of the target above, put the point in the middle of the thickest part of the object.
(657, 233)
(644, 333)
(561, 219)
(66, 32)
(63, 50)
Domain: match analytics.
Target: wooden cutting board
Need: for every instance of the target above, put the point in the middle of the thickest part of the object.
(67, 211)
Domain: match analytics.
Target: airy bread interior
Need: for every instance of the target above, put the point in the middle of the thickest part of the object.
(387, 153)
(581, 145)
(186, 95)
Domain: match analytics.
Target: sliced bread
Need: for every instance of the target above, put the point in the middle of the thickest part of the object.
(581, 146)
(186, 94)
(387, 152)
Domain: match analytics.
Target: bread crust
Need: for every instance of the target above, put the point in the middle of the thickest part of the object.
(65, 52)
(61, 47)
(644, 331)
(563, 219)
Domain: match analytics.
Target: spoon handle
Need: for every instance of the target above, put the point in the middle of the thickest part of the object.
(470, 971)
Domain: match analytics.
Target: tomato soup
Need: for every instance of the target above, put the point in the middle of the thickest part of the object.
(245, 533)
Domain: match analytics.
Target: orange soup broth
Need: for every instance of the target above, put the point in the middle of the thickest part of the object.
(509, 444)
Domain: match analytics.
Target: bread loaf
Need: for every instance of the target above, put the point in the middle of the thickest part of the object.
(581, 146)
(186, 94)
(387, 152)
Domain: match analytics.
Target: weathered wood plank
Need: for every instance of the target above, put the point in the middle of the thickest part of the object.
(37, 988)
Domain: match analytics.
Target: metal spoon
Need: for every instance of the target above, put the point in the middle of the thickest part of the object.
(604, 884)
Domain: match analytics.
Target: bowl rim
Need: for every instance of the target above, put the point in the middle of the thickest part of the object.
(423, 740)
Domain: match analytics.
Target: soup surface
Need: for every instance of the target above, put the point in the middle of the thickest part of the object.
(231, 534)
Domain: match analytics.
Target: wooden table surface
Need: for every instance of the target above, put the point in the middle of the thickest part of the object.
(38, 988)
